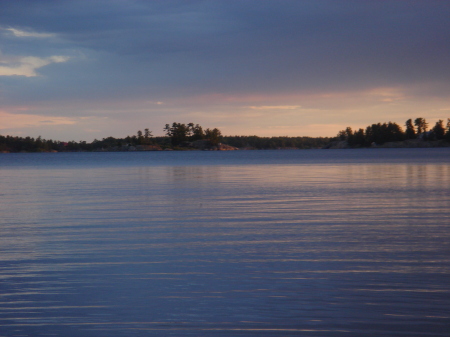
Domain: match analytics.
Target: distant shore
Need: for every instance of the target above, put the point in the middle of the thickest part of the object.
(192, 137)
(339, 144)
(410, 143)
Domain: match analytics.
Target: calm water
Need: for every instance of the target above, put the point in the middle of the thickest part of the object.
(248, 243)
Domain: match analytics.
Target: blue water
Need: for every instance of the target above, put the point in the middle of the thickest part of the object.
(239, 243)
(220, 158)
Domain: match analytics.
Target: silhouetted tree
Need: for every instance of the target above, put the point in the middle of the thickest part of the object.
(447, 131)
(394, 133)
(382, 133)
(214, 136)
(349, 132)
(178, 133)
(439, 130)
(358, 138)
(140, 138)
(410, 132)
(147, 136)
(421, 125)
(342, 135)
(346, 134)
(196, 132)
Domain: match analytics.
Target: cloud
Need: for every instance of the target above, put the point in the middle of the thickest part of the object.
(22, 33)
(11, 120)
(26, 65)
(388, 95)
(276, 107)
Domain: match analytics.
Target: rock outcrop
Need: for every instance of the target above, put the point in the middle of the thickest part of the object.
(204, 144)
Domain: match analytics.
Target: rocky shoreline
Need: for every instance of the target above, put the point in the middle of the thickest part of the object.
(197, 145)
(203, 145)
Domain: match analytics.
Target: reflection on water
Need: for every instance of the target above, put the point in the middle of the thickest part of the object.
(312, 249)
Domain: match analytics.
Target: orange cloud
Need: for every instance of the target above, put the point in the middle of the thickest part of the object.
(9, 120)
(276, 107)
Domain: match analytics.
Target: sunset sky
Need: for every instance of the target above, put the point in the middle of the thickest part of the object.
(79, 70)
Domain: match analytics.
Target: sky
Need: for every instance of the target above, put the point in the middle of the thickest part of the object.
(84, 70)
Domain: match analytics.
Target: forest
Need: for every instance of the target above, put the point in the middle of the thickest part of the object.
(179, 136)
(379, 134)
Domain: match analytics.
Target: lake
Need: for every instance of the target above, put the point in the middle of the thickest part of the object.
(239, 243)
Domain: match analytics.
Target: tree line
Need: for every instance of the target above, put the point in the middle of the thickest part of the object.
(177, 135)
(273, 143)
(184, 136)
(378, 134)
(180, 134)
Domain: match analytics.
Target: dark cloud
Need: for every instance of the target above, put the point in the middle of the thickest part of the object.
(288, 44)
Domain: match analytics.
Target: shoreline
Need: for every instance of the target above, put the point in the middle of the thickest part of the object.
(404, 144)
(336, 145)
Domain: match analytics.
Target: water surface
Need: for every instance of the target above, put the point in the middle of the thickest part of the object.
(242, 243)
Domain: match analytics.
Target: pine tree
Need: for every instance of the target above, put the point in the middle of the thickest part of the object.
(447, 131)
(410, 132)
(439, 130)
(421, 125)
